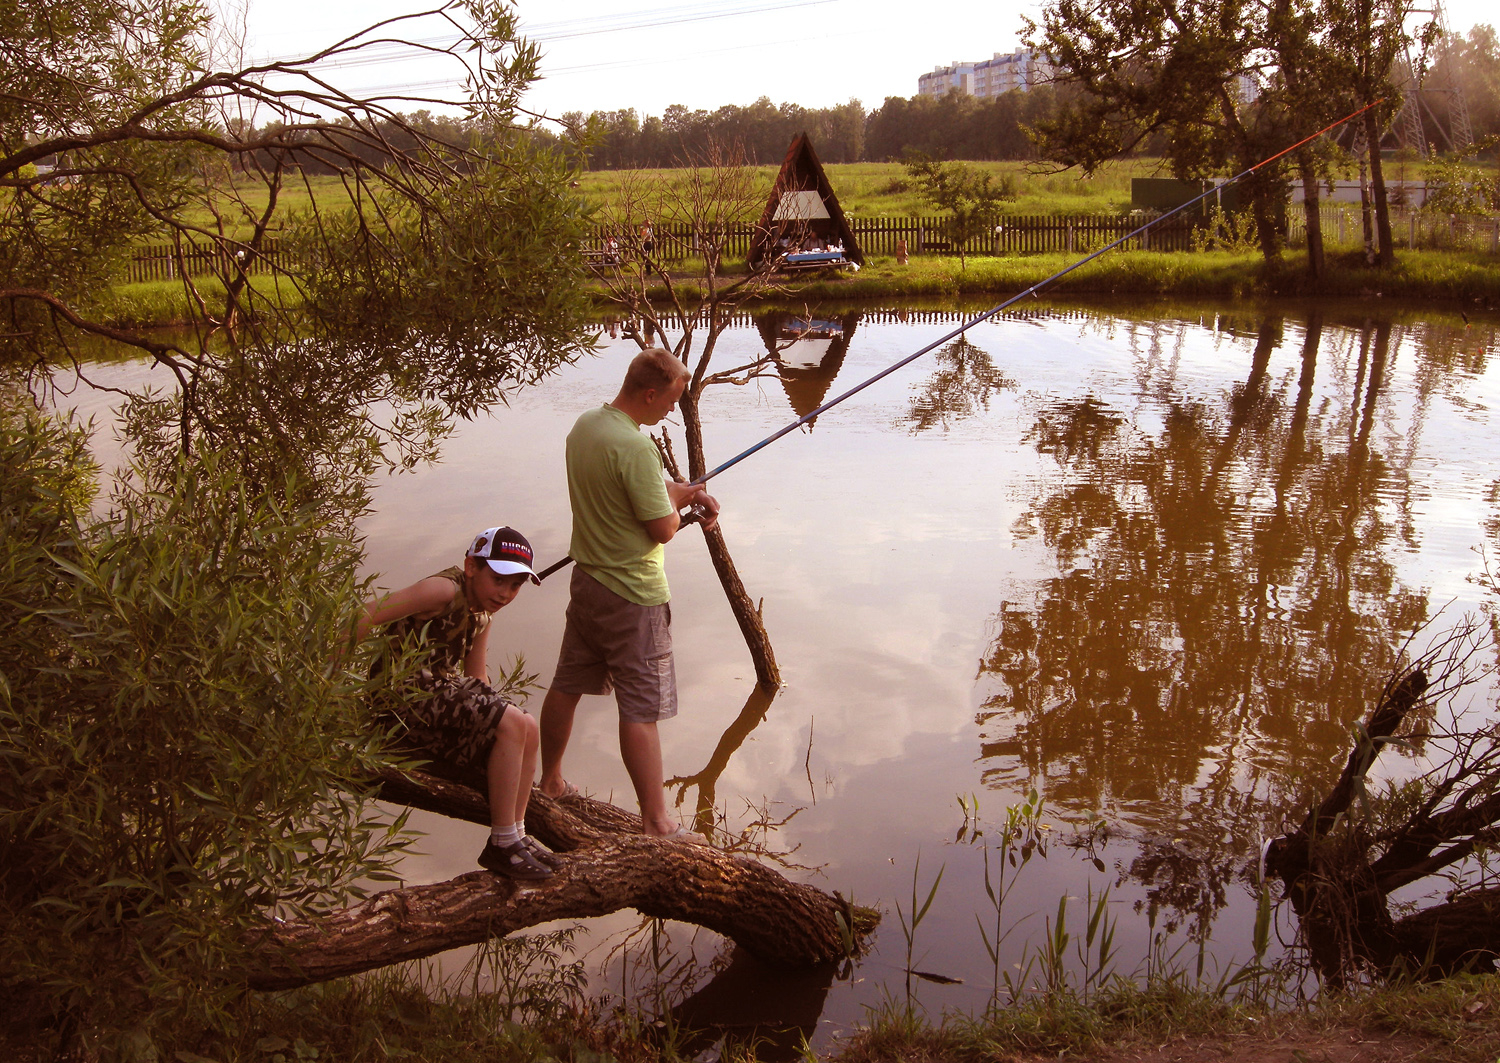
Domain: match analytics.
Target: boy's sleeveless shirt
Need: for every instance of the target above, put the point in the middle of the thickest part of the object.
(614, 484)
(451, 634)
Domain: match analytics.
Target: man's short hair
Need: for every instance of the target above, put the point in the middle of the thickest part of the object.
(654, 368)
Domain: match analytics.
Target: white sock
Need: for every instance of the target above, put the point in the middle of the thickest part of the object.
(504, 836)
(521, 831)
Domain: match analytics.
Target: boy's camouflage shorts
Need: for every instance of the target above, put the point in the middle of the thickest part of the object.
(457, 724)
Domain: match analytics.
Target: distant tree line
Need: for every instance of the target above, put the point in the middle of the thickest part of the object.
(622, 140)
(955, 126)
(950, 127)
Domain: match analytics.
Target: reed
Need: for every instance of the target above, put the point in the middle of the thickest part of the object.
(911, 918)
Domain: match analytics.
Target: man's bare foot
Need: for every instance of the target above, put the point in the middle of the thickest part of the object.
(555, 791)
(680, 834)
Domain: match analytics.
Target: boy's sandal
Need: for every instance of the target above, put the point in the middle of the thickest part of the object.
(513, 861)
(543, 854)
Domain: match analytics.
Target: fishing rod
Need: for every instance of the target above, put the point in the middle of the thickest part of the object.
(1038, 286)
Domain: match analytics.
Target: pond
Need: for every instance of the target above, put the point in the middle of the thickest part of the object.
(1148, 561)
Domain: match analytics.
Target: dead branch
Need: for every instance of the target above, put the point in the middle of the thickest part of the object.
(1339, 871)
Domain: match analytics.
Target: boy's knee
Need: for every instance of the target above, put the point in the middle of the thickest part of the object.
(514, 725)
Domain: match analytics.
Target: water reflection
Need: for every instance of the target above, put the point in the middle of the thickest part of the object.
(1226, 604)
(1184, 547)
(965, 382)
(808, 350)
(707, 778)
(769, 1011)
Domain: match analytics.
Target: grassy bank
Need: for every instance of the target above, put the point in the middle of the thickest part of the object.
(1464, 279)
(1453, 1021)
(1468, 278)
(876, 189)
(539, 1014)
(157, 304)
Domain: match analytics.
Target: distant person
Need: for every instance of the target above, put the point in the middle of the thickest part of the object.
(463, 721)
(648, 238)
(618, 633)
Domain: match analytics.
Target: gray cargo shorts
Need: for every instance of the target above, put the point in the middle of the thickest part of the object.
(611, 643)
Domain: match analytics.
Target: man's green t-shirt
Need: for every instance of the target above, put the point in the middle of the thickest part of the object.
(614, 484)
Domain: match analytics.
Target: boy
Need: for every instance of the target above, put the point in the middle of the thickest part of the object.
(464, 722)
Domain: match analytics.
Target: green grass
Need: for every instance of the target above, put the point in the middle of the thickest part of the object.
(865, 189)
(876, 189)
(1457, 1021)
(153, 304)
(1432, 276)
(295, 196)
(1428, 275)
(400, 1013)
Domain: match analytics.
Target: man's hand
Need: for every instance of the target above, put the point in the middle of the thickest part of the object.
(706, 508)
(684, 495)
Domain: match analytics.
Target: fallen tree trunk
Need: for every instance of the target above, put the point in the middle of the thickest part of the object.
(612, 866)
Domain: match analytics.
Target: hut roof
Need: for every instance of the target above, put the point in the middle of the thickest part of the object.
(801, 194)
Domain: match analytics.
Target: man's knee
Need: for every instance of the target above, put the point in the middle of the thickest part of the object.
(560, 700)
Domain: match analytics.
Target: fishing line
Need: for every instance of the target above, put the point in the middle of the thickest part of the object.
(1038, 286)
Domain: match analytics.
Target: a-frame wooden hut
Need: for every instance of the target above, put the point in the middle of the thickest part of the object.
(803, 225)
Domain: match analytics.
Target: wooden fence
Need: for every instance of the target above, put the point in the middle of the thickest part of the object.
(1010, 235)
(924, 234)
(882, 315)
(163, 262)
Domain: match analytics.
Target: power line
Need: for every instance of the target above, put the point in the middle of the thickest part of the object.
(383, 52)
(584, 68)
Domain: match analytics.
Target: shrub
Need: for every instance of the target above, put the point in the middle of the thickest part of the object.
(180, 749)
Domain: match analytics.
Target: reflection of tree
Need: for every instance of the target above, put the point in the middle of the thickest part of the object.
(1224, 610)
(965, 381)
(707, 780)
(749, 1002)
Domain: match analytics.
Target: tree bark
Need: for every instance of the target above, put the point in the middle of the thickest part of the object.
(745, 901)
(611, 866)
(1314, 218)
(1385, 254)
(1264, 207)
(1462, 934)
(746, 615)
(752, 627)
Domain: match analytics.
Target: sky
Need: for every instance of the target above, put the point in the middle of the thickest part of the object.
(648, 54)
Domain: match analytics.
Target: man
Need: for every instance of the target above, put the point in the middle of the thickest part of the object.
(618, 633)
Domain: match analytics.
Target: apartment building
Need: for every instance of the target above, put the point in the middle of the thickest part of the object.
(1020, 69)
